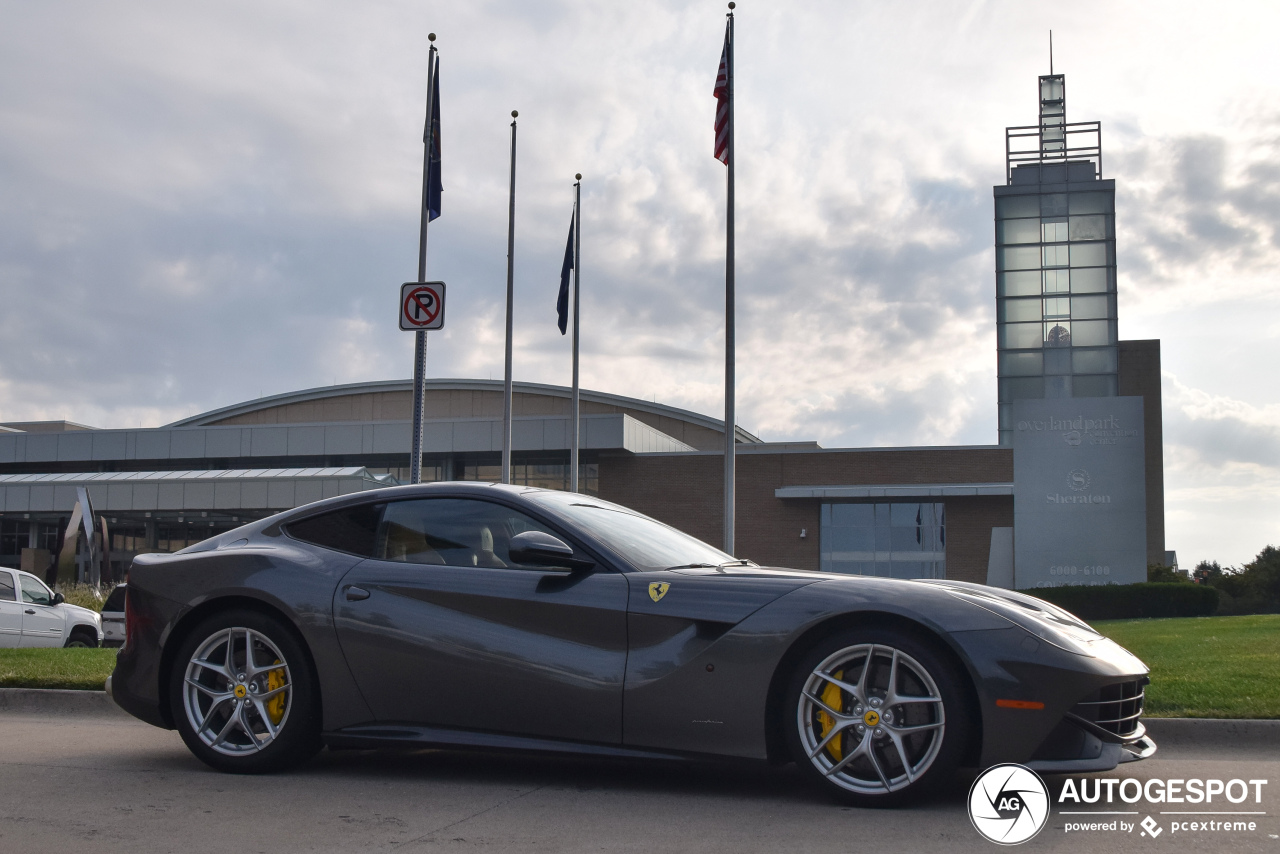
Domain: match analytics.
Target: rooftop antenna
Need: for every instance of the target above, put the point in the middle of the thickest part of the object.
(1051, 52)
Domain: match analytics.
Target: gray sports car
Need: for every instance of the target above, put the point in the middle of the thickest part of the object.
(469, 615)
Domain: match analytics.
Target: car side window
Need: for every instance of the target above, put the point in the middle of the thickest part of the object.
(452, 532)
(7, 593)
(351, 529)
(34, 592)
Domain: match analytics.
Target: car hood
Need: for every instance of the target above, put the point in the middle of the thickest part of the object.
(976, 593)
(1042, 619)
(75, 612)
(755, 572)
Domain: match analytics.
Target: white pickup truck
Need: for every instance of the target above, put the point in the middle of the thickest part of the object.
(33, 615)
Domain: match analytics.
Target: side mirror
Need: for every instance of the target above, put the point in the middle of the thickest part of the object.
(540, 549)
(58, 598)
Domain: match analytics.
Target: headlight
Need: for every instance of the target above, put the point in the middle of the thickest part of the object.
(1048, 622)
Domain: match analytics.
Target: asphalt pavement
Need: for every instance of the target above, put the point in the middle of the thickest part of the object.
(79, 778)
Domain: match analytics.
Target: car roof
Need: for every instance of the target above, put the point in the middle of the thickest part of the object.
(399, 493)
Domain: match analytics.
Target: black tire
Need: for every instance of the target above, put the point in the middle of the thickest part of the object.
(868, 755)
(244, 742)
(81, 639)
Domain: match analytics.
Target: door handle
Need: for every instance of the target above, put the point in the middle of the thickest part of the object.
(28, 611)
(355, 594)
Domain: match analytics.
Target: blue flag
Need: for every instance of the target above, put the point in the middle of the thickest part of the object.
(431, 138)
(562, 303)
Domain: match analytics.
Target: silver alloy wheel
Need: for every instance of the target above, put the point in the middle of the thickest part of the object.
(238, 691)
(871, 719)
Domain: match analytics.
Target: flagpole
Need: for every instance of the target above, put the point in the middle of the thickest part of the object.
(511, 257)
(730, 421)
(420, 337)
(577, 272)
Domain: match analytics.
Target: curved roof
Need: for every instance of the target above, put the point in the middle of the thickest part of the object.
(326, 392)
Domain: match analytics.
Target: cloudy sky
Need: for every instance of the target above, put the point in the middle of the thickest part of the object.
(205, 203)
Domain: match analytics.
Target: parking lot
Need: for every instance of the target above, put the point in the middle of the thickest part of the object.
(102, 782)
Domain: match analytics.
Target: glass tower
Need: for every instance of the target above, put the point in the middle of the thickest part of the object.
(1055, 261)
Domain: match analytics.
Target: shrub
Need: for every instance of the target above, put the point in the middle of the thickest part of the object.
(1129, 601)
(1251, 589)
(85, 595)
(1161, 574)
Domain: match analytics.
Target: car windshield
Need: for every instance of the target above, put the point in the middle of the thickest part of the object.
(647, 543)
(115, 602)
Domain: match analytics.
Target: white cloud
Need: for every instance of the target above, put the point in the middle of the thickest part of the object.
(208, 203)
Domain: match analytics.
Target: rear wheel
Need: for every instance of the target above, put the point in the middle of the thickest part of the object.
(876, 716)
(243, 696)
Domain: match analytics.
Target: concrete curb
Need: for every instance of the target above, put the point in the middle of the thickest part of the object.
(52, 701)
(1215, 732)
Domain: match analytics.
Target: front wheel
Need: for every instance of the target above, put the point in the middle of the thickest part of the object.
(81, 639)
(243, 696)
(876, 717)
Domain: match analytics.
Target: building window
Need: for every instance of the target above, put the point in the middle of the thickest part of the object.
(48, 536)
(432, 472)
(544, 475)
(13, 539)
(128, 536)
(1054, 230)
(890, 540)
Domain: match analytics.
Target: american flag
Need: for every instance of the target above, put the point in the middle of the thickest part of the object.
(722, 104)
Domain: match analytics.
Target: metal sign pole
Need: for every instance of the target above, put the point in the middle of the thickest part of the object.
(577, 272)
(730, 421)
(420, 337)
(511, 257)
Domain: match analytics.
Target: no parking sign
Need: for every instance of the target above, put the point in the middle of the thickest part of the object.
(421, 306)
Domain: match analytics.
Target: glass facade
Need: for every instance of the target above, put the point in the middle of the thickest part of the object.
(13, 539)
(545, 475)
(432, 472)
(1055, 271)
(891, 540)
(546, 472)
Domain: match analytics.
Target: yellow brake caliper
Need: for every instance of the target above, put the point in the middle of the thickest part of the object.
(275, 706)
(831, 696)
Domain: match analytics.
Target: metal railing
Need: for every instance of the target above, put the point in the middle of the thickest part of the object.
(1080, 141)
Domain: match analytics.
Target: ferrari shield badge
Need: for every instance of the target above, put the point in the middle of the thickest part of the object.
(658, 589)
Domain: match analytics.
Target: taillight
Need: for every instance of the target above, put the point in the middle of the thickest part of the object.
(130, 618)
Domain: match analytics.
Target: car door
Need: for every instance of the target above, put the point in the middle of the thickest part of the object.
(10, 611)
(442, 628)
(42, 621)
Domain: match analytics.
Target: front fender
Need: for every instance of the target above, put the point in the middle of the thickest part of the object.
(716, 702)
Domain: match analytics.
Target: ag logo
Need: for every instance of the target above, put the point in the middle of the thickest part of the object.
(1078, 480)
(658, 589)
(1008, 804)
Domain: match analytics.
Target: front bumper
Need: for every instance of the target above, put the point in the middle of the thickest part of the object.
(1100, 731)
(1094, 754)
(1054, 710)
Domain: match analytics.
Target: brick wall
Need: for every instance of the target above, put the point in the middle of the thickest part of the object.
(1139, 363)
(686, 490)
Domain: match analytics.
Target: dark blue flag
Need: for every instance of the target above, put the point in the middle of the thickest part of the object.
(562, 303)
(431, 137)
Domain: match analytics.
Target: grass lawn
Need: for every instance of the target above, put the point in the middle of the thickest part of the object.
(1201, 667)
(1206, 667)
(80, 669)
